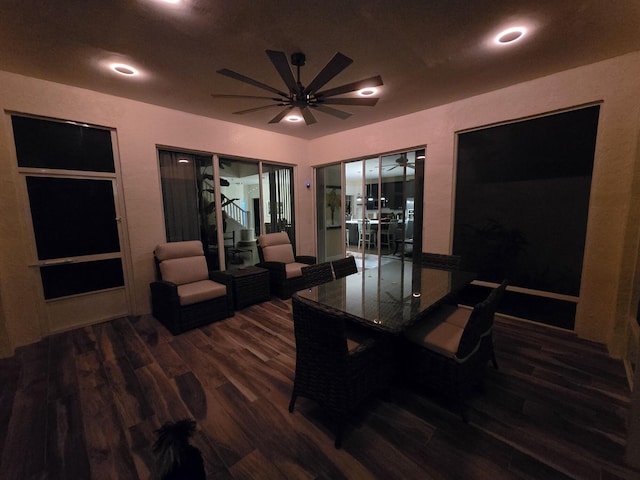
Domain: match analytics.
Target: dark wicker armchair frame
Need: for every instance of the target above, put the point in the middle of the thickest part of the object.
(165, 305)
(280, 285)
(344, 266)
(326, 371)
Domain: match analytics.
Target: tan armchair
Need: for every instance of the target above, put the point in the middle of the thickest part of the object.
(285, 268)
(188, 295)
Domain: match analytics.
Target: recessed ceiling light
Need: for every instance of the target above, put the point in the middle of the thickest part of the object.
(367, 92)
(421, 157)
(510, 35)
(183, 160)
(294, 118)
(123, 69)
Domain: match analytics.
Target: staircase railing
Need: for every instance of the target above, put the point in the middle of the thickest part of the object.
(237, 213)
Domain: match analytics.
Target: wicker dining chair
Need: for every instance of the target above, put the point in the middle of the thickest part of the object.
(327, 371)
(344, 266)
(448, 351)
(317, 274)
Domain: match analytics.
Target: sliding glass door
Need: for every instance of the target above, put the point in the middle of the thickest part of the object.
(380, 207)
(226, 202)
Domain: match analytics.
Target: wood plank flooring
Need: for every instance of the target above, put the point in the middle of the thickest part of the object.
(85, 404)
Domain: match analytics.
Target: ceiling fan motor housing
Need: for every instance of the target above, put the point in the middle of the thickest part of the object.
(298, 59)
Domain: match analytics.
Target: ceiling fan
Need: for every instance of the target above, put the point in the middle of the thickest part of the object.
(402, 161)
(310, 97)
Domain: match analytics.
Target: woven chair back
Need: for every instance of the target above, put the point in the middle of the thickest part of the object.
(321, 344)
(344, 266)
(317, 274)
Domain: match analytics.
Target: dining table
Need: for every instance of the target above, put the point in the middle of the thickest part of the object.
(390, 297)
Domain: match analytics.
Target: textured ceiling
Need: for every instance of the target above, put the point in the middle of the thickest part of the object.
(428, 52)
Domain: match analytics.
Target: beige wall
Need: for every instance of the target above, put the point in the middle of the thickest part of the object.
(140, 127)
(612, 235)
(603, 308)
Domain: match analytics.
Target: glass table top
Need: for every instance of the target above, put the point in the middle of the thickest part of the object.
(390, 297)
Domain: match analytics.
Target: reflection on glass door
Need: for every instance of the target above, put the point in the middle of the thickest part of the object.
(330, 213)
(382, 208)
(277, 193)
(223, 202)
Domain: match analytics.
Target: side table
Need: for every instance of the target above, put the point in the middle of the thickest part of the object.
(250, 285)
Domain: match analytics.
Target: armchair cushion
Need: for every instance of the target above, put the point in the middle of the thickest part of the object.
(191, 248)
(195, 292)
(278, 253)
(294, 269)
(184, 270)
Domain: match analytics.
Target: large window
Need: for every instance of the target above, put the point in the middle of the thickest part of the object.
(522, 200)
(223, 202)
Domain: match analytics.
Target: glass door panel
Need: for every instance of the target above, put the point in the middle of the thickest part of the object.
(330, 213)
(239, 196)
(277, 198)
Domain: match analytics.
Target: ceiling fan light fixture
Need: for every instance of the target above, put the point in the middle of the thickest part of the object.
(123, 69)
(308, 98)
(510, 35)
(367, 92)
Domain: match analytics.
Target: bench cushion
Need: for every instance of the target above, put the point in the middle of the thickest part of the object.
(441, 332)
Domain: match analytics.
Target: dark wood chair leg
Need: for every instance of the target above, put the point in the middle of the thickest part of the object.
(292, 403)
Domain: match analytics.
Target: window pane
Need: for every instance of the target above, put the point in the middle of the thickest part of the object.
(57, 145)
(180, 195)
(72, 217)
(278, 202)
(70, 279)
(522, 200)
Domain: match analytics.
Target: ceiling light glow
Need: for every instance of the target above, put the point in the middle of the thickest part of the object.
(183, 160)
(367, 92)
(293, 118)
(510, 35)
(123, 69)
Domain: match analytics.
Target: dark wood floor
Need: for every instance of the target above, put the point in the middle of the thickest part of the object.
(84, 404)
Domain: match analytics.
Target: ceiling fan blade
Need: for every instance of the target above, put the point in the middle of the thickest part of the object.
(357, 102)
(222, 95)
(255, 109)
(309, 119)
(238, 76)
(332, 111)
(336, 65)
(279, 60)
(350, 87)
(281, 115)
